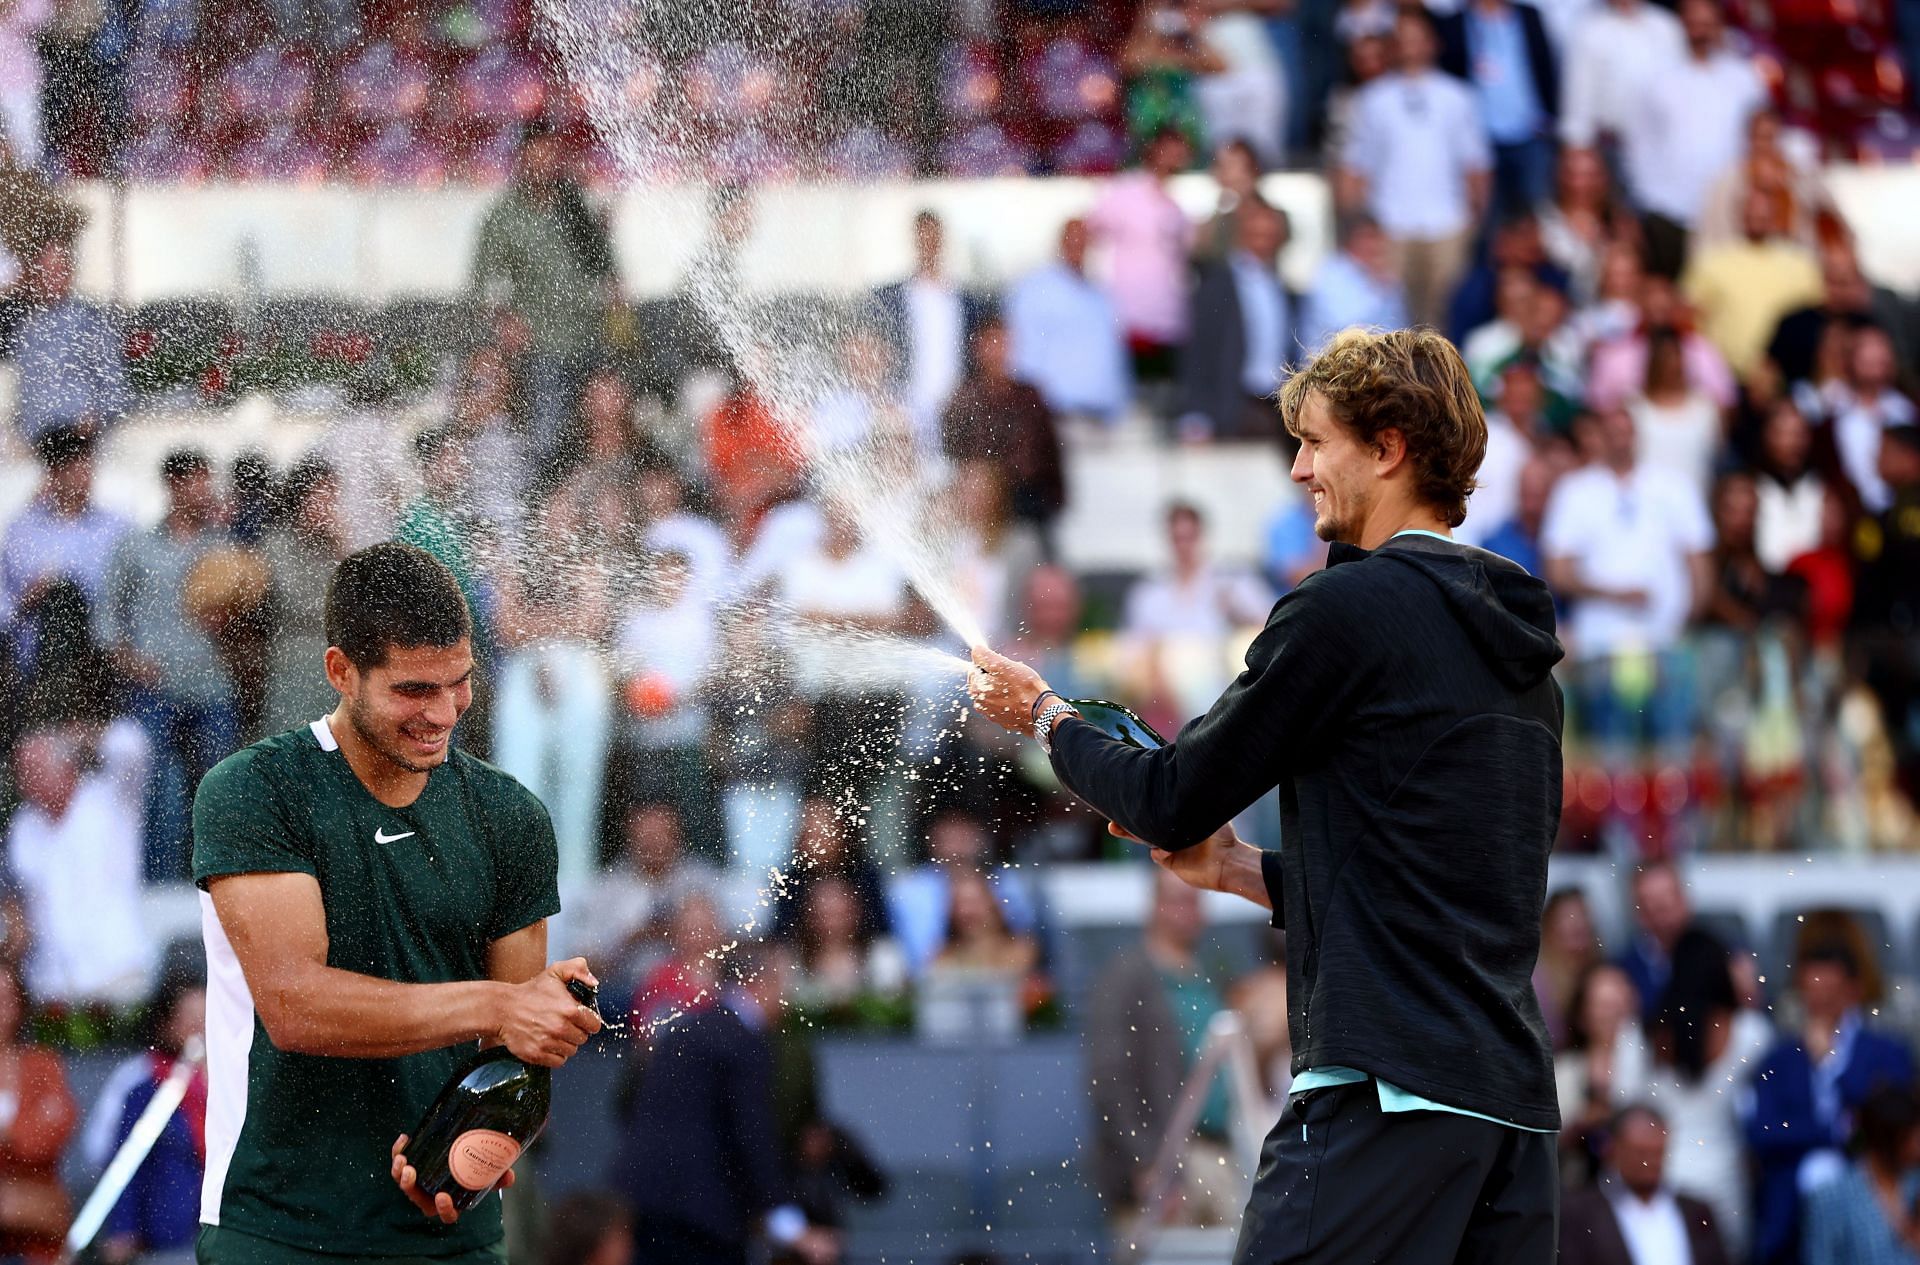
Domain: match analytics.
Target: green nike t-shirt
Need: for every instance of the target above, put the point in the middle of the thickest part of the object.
(299, 1145)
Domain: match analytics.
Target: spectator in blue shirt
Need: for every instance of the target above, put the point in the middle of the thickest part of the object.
(1847, 1221)
(1807, 1090)
(1518, 539)
(1357, 286)
(1065, 335)
(1502, 50)
(159, 1211)
(1292, 551)
(71, 353)
(919, 901)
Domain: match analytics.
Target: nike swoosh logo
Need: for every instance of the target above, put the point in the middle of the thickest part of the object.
(380, 836)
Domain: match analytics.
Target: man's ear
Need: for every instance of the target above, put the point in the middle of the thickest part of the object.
(1389, 451)
(341, 674)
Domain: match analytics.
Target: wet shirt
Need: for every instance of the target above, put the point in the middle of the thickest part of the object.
(298, 1145)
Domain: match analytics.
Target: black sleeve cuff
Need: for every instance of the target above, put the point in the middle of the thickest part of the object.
(1270, 875)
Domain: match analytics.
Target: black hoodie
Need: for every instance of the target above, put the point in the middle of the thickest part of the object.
(1402, 702)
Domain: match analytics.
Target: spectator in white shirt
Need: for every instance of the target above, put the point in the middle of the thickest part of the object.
(866, 407)
(1066, 337)
(74, 847)
(1692, 126)
(622, 920)
(1194, 599)
(1619, 48)
(1247, 99)
(1793, 496)
(665, 654)
(928, 319)
(1418, 159)
(1626, 542)
(836, 591)
(1631, 1217)
(1513, 429)
(673, 528)
(1357, 286)
(1681, 429)
(1873, 404)
(553, 698)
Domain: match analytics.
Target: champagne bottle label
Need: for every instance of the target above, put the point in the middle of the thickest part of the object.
(479, 1156)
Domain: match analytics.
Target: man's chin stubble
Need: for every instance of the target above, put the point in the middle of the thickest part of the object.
(387, 753)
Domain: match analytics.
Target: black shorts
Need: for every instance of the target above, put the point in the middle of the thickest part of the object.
(1342, 1181)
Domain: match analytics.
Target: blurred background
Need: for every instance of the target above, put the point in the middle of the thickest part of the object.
(281, 278)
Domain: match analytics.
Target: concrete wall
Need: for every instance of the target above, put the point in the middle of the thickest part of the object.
(243, 240)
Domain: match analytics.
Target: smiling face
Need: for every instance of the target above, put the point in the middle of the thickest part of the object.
(1336, 470)
(405, 709)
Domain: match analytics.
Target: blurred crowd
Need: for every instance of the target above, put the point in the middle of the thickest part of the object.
(1711, 1112)
(425, 92)
(1702, 433)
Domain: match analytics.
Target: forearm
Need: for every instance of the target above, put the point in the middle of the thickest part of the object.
(1149, 793)
(1243, 873)
(325, 1010)
(1564, 578)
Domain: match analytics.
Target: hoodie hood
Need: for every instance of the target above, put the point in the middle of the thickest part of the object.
(1507, 612)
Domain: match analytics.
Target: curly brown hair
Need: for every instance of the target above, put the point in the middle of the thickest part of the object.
(1409, 380)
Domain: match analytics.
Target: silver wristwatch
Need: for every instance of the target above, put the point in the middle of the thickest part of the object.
(1049, 717)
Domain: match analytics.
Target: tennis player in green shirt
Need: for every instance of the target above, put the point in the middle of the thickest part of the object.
(373, 902)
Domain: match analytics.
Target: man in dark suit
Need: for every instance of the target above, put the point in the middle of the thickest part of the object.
(928, 319)
(700, 1161)
(1501, 49)
(1662, 915)
(1849, 298)
(1631, 1216)
(1243, 334)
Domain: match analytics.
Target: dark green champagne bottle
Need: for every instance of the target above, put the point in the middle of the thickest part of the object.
(481, 1122)
(1118, 722)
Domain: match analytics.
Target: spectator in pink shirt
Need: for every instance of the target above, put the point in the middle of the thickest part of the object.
(20, 23)
(1147, 239)
(1619, 366)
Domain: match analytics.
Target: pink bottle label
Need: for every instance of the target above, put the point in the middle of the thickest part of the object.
(479, 1156)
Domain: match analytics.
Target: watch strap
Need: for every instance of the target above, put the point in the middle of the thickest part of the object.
(1050, 716)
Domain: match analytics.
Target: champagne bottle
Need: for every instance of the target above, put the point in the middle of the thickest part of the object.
(485, 1117)
(1118, 722)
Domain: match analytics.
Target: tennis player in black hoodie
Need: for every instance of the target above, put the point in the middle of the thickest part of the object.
(1401, 702)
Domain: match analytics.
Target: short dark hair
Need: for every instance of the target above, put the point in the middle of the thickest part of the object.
(1884, 1122)
(536, 130)
(392, 594)
(182, 464)
(63, 445)
(1241, 145)
(1168, 132)
(1352, 224)
(653, 801)
(1829, 952)
(430, 443)
(1636, 1111)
